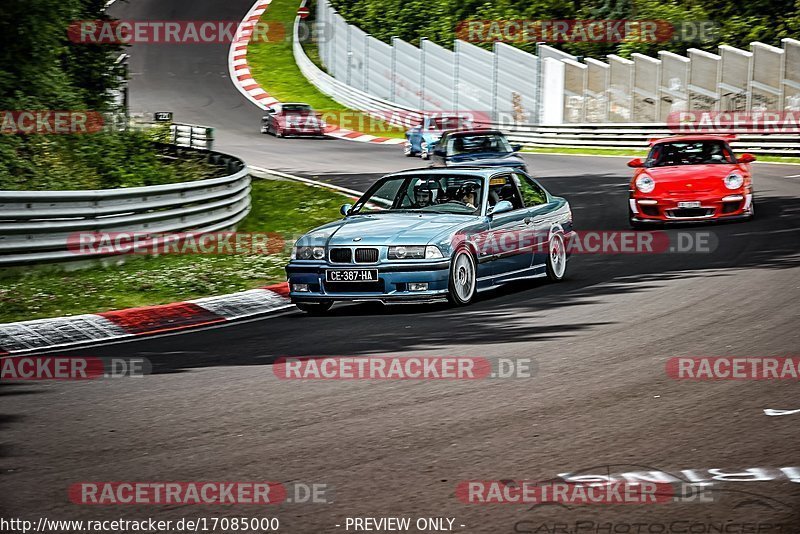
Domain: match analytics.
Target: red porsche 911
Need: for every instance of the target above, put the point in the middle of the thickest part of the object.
(690, 179)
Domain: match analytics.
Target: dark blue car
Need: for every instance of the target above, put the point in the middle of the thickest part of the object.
(421, 140)
(487, 148)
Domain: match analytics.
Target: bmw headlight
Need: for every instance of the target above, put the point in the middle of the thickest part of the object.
(414, 253)
(734, 181)
(308, 253)
(645, 184)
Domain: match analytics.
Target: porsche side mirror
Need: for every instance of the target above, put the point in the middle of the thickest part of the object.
(271, 111)
(345, 209)
(516, 148)
(746, 158)
(501, 207)
(635, 163)
(439, 152)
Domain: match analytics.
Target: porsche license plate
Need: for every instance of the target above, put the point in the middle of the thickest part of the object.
(351, 275)
(692, 204)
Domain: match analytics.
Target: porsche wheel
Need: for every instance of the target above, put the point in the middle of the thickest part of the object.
(424, 153)
(264, 129)
(462, 278)
(556, 258)
(314, 308)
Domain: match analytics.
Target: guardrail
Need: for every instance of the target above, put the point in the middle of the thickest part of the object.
(589, 135)
(35, 226)
(183, 135)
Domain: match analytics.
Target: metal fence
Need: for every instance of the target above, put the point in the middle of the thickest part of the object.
(509, 82)
(41, 226)
(594, 129)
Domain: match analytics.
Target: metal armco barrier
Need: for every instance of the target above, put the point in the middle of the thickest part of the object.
(183, 135)
(637, 136)
(35, 225)
(553, 87)
(626, 136)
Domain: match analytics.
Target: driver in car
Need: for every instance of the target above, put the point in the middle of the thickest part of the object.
(467, 194)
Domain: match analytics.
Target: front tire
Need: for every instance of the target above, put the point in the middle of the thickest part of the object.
(556, 258)
(463, 280)
(408, 150)
(314, 308)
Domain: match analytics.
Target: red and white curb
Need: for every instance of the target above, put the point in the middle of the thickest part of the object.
(242, 78)
(45, 334)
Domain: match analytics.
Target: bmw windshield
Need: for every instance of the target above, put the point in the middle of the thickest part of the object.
(424, 194)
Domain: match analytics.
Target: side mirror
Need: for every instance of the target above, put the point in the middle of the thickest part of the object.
(345, 209)
(516, 148)
(746, 158)
(439, 152)
(501, 207)
(636, 163)
(271, 111)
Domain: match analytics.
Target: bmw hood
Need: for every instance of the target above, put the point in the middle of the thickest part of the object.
(386, 229)
(489, 159)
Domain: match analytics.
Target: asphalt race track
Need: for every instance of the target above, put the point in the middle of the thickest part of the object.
(600, 401)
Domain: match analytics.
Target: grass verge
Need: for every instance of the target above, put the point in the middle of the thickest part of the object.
(272, 65)
(34, 293)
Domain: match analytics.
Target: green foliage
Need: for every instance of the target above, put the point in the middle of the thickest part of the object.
(739, 23)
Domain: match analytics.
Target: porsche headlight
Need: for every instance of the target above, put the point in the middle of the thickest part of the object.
(734, 181)
(414, 253)
(645, 184)
(308, 253)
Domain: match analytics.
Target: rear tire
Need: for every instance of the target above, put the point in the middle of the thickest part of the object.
(556, 258)
(314, 308)
(408, 150)
(463, 279)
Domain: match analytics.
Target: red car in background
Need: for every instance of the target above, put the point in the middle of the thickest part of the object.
(294, 119)
(690, 179)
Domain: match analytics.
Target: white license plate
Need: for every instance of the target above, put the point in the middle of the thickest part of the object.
(352, 275)
(692, 204)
